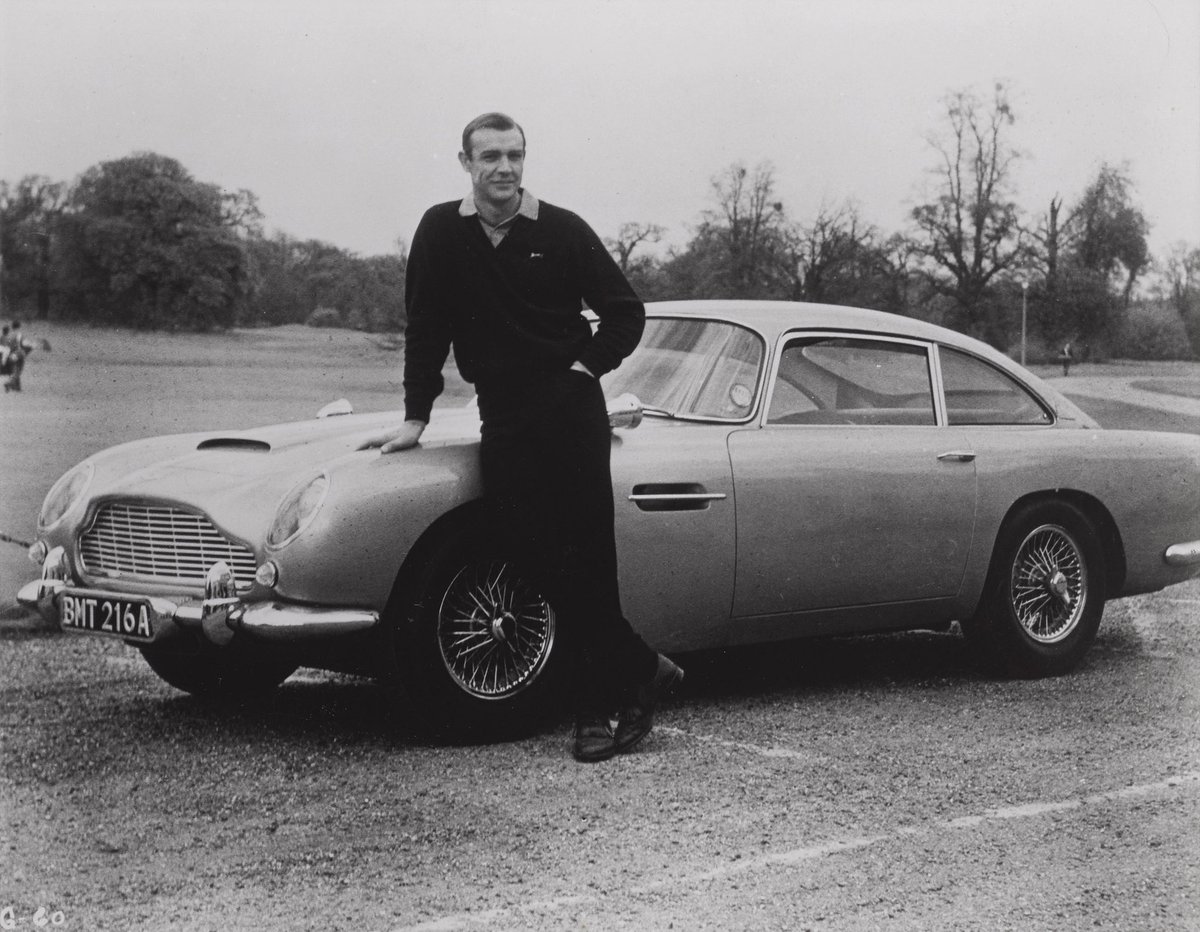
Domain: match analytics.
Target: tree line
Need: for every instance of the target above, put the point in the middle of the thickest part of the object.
(971, 258)
(140, 242)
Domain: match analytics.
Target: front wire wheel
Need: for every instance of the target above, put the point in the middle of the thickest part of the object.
(1042, 603)
(473, 643)
(495, 631)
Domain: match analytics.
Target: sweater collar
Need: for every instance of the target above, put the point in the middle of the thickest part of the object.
(528, 208)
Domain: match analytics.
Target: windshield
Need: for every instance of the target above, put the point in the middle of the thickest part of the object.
(692, 368)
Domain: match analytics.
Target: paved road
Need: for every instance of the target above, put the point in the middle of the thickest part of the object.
(1128, 390)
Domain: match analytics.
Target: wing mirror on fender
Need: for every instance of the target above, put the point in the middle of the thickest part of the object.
(624, 411)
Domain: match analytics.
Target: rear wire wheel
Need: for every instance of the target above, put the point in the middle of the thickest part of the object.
(1044, 595)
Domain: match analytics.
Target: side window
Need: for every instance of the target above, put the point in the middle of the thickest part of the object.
(977, 393)
(847, 380)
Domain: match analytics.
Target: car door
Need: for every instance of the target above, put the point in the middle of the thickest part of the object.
(852, 493)
(673, 497)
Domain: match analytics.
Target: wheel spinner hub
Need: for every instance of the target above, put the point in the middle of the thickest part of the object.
(1049, 584)
(503, 626)
(494, 630)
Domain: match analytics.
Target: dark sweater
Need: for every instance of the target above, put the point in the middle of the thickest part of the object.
(512, 311)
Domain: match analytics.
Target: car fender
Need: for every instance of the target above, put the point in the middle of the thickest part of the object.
(377, 508)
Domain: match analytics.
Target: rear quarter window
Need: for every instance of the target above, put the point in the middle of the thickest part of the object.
(979, 393)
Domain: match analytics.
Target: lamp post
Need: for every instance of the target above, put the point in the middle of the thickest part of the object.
(1024, 316)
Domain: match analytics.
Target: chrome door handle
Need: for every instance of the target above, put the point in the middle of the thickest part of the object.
(673, 496)
(679, 497)
(957, 456)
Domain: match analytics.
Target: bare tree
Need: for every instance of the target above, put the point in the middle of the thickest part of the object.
(833, 254)
(751, 226)
(969, 233)
(629, 237)
(1047, 243)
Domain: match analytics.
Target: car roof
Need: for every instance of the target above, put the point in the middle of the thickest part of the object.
(771, 318)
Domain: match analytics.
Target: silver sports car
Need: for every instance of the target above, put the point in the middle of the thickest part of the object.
(780, 470)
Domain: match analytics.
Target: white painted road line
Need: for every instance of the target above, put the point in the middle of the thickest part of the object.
(786, 753)
(727, 869)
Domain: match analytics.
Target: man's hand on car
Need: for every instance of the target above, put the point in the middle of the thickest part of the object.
(401, 438)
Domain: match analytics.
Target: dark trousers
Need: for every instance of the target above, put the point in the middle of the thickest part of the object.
(544, 455)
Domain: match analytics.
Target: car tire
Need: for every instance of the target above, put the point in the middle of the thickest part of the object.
(218, 674)
(475, 646)
(1044, 595)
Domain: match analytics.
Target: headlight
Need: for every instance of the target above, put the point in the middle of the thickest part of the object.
(296, 510)
(66, 492)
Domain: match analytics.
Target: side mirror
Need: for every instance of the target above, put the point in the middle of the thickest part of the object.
(336, 408)
(624, 411)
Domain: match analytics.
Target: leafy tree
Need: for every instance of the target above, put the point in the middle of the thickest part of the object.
(149, 246)
(1084, 255)
(968, 234)
(1108, 231)
(298, 276)
(30, 212)
(1081, 308)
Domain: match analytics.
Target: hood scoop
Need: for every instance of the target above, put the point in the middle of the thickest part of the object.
(247, 444)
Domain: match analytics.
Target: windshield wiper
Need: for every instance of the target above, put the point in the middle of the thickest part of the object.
(658, 412)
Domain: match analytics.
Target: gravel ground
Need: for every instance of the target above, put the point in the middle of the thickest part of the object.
(841, 784)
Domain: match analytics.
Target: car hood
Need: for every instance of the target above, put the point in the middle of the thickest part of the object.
(239, 476)
(270, 450)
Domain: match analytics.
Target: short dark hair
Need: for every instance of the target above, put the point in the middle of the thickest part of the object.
(500, 121)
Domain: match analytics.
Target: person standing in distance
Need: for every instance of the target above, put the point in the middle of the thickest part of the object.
(503, 278)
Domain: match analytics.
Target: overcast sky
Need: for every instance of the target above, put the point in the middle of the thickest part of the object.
(344, 116)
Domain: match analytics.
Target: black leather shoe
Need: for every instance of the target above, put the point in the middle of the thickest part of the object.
(593, 740)
(637, 718)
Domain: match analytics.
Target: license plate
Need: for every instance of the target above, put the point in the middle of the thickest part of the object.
(101, 614)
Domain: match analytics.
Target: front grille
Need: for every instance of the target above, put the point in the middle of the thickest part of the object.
(157, 542)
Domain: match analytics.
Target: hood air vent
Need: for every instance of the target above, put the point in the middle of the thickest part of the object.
(234, 443)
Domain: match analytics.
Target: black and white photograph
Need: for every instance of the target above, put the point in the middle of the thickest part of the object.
(600, 464)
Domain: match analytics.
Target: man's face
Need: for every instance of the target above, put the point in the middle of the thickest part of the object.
(496, 163)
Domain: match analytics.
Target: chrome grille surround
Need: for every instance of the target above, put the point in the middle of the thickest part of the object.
(159, 543)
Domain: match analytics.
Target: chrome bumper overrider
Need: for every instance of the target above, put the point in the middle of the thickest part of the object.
(1183, 554)
(219, 615)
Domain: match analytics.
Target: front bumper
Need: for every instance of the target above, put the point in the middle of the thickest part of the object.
(218, 616)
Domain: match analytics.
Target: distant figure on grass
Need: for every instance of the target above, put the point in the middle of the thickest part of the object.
(12, 357)
(1066, 358)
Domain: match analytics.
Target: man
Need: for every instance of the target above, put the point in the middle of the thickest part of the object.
(18, 348)
(503, 278)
